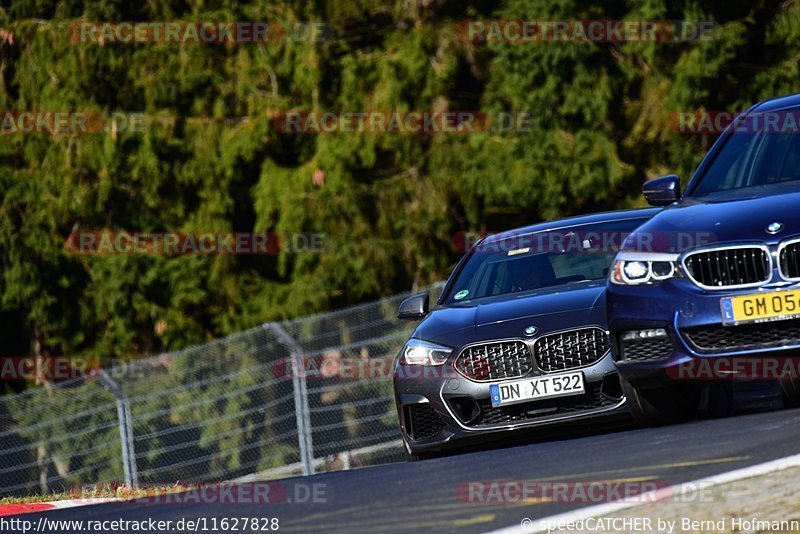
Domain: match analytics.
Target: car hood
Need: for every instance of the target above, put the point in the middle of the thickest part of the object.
(551, 310)
(737, 216)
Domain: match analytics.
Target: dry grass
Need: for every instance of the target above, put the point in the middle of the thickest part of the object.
(95, 491)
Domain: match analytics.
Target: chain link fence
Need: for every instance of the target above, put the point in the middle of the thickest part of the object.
(312, 394)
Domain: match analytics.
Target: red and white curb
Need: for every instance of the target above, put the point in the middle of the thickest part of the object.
(541, 525)
(16, 509)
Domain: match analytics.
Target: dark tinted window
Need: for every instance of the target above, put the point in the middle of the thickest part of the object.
(753, 159)
(540, 260)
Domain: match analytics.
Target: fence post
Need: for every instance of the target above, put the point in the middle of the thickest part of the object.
(301, 409)
(125, 429)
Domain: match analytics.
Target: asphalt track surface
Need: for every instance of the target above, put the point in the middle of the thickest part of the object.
(425, 496)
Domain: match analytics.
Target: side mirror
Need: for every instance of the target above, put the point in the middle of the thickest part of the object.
(413, 308)
(663, 191)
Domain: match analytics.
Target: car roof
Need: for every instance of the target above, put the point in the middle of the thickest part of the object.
(608, 216)
(777, 103)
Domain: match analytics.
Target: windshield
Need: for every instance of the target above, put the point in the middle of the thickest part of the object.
(540, 260)
(753, 156)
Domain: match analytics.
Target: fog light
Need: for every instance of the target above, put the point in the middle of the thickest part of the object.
(634, 335)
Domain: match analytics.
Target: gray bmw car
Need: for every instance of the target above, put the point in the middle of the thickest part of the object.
(518, 338)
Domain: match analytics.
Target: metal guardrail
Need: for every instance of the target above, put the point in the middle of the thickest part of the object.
(302, 396)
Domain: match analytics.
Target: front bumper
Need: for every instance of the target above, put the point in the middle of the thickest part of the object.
(698, 347)
(439, 408)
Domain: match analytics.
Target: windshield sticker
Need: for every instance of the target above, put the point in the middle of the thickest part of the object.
(461, 294)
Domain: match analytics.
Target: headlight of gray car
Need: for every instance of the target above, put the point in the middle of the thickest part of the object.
(418, 352)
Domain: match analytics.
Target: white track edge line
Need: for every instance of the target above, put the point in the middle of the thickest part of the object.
(72, 503)
(772, 466)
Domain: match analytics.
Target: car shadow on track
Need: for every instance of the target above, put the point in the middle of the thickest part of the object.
(724, 399)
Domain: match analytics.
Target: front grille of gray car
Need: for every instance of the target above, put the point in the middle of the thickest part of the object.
(593, 399)
(570, 350)
(499, 360)
(729, 267)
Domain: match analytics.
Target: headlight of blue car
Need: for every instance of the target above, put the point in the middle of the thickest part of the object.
(639, 268)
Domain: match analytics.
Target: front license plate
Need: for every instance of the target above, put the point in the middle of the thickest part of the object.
(541, 387)
(759, 308)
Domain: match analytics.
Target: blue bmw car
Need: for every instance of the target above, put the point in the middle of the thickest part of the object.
(709, 289)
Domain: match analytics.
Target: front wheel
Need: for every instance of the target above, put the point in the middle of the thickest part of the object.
(791, 392)
(662, 406)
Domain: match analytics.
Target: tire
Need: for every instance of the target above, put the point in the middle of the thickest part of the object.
(791, 392)
(717, 400)
(662, 406)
